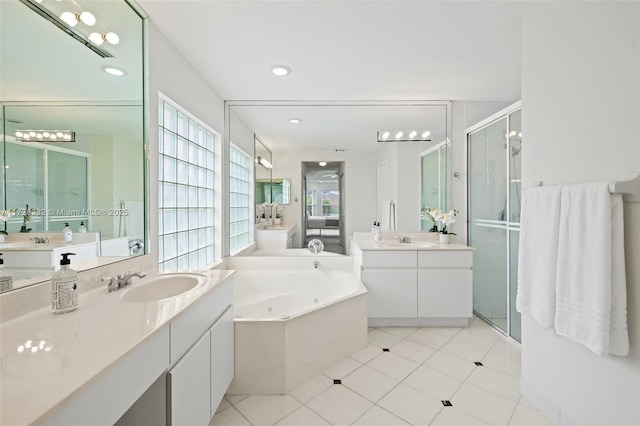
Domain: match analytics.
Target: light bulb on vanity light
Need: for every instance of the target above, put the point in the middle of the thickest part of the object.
(399, 135)
(426, 134)
(96, 39)
(413, 134)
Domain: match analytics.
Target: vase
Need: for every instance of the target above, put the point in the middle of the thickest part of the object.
(445, 238)
(277, 221)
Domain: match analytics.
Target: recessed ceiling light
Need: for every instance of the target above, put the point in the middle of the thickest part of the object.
(280, 70)
(295, 121)
(322, 163)
(110, 69)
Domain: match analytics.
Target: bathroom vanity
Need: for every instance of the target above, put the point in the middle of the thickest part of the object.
(275, 236)
(417, 283)
(159, 351)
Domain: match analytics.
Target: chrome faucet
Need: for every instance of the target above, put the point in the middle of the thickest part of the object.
(40, 240)
(404, 240)
(122, 280)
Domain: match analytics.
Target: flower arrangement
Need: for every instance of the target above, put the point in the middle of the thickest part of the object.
(278, 208)
(432, 214)
(4, 216)
(447, 218)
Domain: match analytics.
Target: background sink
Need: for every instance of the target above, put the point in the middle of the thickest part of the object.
(160, 287)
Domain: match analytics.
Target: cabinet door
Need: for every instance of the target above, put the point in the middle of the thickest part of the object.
(391, 293)
(446, 293)
(222, 350)
(189, 384)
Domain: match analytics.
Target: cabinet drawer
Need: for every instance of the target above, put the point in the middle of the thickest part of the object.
(189, 326)
(389, 259)
(391, 294)
(445, 259)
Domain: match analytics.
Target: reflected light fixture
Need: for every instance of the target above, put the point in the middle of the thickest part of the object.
(45, 135)
(280, 70)
(263, 162)
(322, 163)
(404, 135)
(68, 22)
(295, 121)
(113, 70)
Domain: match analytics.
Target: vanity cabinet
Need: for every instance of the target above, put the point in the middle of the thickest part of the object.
(418, 287)
(275, 237)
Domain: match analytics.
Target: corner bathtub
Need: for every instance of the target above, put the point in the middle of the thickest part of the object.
(292, 324)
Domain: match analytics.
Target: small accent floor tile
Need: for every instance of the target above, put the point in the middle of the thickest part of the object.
(339, 405)
(484, 405)
(377, 416)
(303, 416)
(266, 409)
(311, 388)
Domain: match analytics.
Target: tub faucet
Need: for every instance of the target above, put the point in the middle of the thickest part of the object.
(315, 264)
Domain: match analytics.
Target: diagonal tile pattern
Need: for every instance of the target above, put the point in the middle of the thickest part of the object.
(404, 386)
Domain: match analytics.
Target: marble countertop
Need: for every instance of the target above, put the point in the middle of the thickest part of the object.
(420, 241)
(45, 359)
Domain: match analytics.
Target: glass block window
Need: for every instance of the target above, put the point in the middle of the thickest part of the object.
(239, 198)
(185, 173)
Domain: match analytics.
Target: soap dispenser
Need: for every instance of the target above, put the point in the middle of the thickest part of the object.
(82, 229)
(67, 233)
(64, 287)
(6, 280)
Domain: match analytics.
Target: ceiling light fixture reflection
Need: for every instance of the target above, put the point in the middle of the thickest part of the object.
(280, 70)
(322, 163)
(295, 121)
(45, 135)
(68, 22)
(264, 162)
(402, 135)
(399, 135)
(413, 134)
(113, 70)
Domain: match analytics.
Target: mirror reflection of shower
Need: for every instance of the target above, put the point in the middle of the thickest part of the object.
(324, 204)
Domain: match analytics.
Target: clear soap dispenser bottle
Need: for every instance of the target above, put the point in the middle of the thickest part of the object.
(67, 233)
(82, 229)
(6, 280)
(64, 287)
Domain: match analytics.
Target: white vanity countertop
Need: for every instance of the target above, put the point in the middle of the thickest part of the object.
(29, 246)
(83, 344)
(282, 227)
(365, 242)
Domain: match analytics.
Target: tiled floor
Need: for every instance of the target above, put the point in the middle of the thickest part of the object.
(407, 385)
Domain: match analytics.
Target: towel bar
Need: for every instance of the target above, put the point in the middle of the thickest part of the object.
(629, 187)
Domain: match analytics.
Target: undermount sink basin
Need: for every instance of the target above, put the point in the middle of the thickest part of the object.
(408, 245)
(160, 287)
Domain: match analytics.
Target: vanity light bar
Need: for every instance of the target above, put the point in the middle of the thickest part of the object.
(404, 135)
(45, 135)
(72, 30)
(264, 162)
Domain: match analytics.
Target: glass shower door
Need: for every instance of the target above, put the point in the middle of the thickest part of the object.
(487, 221)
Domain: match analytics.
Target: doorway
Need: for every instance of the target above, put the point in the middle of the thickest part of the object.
(324, 210)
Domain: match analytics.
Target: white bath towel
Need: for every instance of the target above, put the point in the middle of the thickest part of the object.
(537, 257)
(591, 282)
(388, 216)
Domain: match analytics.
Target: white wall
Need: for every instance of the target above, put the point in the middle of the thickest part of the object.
(360, 191)
(172, 75)
(581, 110)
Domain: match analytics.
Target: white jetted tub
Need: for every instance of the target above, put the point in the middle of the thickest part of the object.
(292, 324)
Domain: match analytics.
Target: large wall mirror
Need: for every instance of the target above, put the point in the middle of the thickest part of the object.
(264, 166)
(53, 83)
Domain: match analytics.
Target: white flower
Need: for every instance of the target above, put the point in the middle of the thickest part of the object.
(6, 214)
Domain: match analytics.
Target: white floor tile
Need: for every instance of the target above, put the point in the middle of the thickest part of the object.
(524, 401)
(367, 354)
(311, 388)
(399, 331)
(229, 417)
(266, 409)
(484, 405)
(339, 405)
(480, 338)
(504, 364)
(464, 350)
(433, 383)
(303, 416)
(411, 405)
(393, 365)
(383, 339)
(451, 416)
(428, 338)
(369, 383)
(341, 369)
(506, 348)
(377, 416)
(450, 365)
(445, 331)
(525, 416)
(235, 398)
(413, 351)
(493, 381)
(224, 404)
